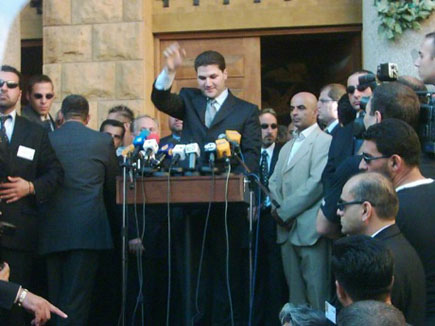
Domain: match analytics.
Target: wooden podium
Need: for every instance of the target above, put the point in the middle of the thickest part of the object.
(184, 189)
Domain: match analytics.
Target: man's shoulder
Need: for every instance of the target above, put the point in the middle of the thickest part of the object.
(22, 122)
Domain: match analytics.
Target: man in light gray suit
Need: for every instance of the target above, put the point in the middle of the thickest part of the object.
(75, 227)
(296, 186)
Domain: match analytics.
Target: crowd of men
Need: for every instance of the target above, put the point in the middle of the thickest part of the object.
(330, 227)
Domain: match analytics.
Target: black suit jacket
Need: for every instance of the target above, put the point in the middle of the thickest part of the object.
(76, 217)
(46, 173)
(8, 293)
(409, 289)
(335, 130)
(28, 113)
(275, 155)
(234, 114)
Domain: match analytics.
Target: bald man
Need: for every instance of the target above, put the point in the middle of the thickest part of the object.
(295, 184)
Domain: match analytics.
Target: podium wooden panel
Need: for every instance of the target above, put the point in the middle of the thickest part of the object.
(184, 189)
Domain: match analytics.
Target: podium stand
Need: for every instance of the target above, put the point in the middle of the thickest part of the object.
(183, 190)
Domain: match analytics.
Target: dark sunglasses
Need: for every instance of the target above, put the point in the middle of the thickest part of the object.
(360, 88)
(367, 158)
(38, 96)
(341, 204)
(9, 83)
(265, 126)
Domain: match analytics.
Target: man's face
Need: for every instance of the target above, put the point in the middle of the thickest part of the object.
(351, 215)
(145, 123)
(326, 107)
(9, 96)
(378, 164)
(211, 80)
(369, 120)
(116, 133)
(269, 129)
(426, 62)
(303, 111)
(176, 125)
(356, 95)
(41, 98)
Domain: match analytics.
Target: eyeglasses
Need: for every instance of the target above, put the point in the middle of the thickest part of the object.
(361, 88)
(9, 83)
(367, 158)
(265, 126)
(325, 100)
(38, 96)
(341, 204)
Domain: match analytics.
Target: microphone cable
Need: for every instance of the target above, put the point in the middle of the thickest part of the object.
(168, 205)
(230, 300)
(204, 237)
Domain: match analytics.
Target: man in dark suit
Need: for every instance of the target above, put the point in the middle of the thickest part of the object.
(75, 228)
(327, 107)
(271, 289)
(176, 127)
(207, 112)
(40, 94)
(30, 174)
(369, 206)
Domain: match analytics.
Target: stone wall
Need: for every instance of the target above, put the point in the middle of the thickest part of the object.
(377, 49)
(97, 49)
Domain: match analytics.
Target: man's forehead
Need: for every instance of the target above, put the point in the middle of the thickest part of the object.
(267, 116)
(353, 79)
(146, 123)
(43, 86)
(7, 75)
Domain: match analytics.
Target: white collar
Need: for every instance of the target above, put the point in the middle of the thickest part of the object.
(307, 131)
(414, 184)
(269, 150)
(381, 229)
(332, 126)
(220, 99)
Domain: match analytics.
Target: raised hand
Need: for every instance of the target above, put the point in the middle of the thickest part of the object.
(174, 56)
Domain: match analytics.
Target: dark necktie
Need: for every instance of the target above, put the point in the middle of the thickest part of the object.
(4, 140)
(264, 175)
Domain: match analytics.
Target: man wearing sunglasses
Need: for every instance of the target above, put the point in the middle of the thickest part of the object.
(40, 95)
(31, 174)
(393, 149)
(368, 206)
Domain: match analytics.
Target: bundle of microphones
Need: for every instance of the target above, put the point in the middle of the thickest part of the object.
(145, 156)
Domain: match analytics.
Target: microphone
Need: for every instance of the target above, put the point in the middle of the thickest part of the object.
(210, 152)
(234, 137)
(178, 154)
(223, 149)
(137, 143)
(193, 152)
(164, 152)
(151, 146)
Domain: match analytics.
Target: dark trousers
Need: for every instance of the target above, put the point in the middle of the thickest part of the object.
(271, 291)
(21, 266)
(71, 280)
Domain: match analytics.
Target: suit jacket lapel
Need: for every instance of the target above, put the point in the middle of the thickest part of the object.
(304, 149)
(226, 109)
(200, 105)
(19, 134)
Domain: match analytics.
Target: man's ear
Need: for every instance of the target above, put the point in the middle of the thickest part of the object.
(342, 295)
(88, 118)
(378, 117)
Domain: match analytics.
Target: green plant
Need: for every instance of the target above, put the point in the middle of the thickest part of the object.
(398, 15)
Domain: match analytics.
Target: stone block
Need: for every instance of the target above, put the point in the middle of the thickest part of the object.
(93, 112)
(56, 12)
(133, 10)
(123, 41)
(54, 71)
(129, 80)
(92, 80)
(67, 44)
(96, 11)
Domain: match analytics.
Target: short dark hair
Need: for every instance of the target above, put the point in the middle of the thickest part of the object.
(396, 100)
(370, 312)
(114, 123)
(302, 315)
(36, 79)
(346, 113)
(75, 106)
(378, 190)
(335, 91)
(6, 68)
(270, 111)
(394, 136)
(210, 58)
(431, 36)
(123, 110)
(363, 266)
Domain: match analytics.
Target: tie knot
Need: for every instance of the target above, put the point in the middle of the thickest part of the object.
(264, 154)
(4, 118)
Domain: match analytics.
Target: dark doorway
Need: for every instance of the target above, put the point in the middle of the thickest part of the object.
(31, 63)
(294, 63)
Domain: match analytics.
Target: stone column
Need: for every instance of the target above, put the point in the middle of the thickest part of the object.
(97, 49)
(377, 49)
(12, 54)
